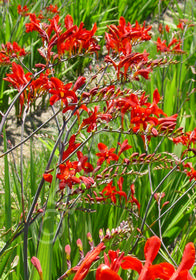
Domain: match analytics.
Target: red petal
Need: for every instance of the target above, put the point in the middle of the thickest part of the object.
(105, 273)
(106, 260)
(163, 271)
(48, 177)
(80, 82)
(102, 147)
(120, 183)
(68, 21)
(151, 248)
(124, 147)
(132, 263)
(88, 260)
(121, 193)
(184, 275)
(188, 257)
(156, 96)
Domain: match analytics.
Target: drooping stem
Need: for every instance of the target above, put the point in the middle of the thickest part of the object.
(151, 197)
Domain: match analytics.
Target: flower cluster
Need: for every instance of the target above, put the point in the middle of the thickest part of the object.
(144, 115)
(121, 38)
(116, 260)
(70, 172)
(173, 47)
(128, 64)
(10, 51)
(74, 40)
(186, 139)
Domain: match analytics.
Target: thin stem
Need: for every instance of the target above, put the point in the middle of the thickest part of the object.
(35, 201)
(21, 162)
(25, 252)
(162, 243)
(151, 197)
(159, 214)
(61, 219)
(174, 203)
(56, 120)
(105, 68)
(156, 189)
(149, 165)
(34, 132)
(18, 232)
(47, 167)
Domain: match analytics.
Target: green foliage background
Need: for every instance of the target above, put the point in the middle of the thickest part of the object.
(175, 83)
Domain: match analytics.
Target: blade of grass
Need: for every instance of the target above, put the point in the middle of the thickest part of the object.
(169, 98)
(45, 242)
(8, 216)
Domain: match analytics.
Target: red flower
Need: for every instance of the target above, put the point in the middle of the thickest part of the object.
(192, 172)
(71, 148)
(76, 39)
(4, 59)
(105, 273)
(120, 192)
(163, 271)
(110, 191)
(125, 104)
(186, 139)
(133, 199)
(160, 28)
(131, 61)
(109, 270)
(62, 92)
(140, 116)
(88, 181)
(161, 46)
(167, 28)
(105, 154)
(151, 249)
(12, 50)
(180, 25)
(83, 164)
(19, 79)
(93, 117)
(67, 175)
(167, 124)
(80, 82)
(48, 177)
(188, 259)
(88, 260)
(35, 25)
(120, 38)
(167, 272)
(42, 84)
(52, 9)
(142, 72)
(22, 10)
(124, 147)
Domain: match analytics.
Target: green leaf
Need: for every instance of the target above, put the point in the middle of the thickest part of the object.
(169, 98)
